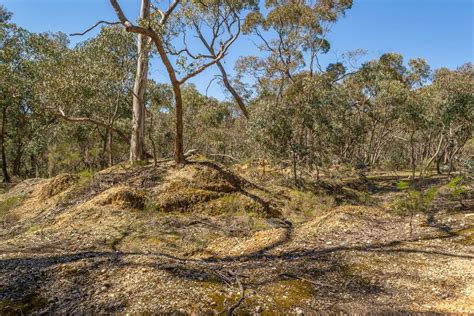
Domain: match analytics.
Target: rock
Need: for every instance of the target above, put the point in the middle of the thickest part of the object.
(299, 311)
(258, 309)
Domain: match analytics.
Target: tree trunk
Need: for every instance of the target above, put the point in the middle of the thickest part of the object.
(179, 142)
(109, 148)
(137, 143)
(423, 168)
(6, 176)
(295, 173)
(237, 97)
(34, 166)
(412, 155)
(17, 161)
(438, 166)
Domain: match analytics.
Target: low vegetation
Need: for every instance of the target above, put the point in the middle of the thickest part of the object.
(338, 187)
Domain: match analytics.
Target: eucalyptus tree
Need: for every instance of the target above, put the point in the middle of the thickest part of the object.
(23, 123)
(297, 129)
(455, 96)
(10, 55)
(5, 15)
(381, 92)
(19, 55)
(292, 34)
(209, 124)
(137, 142)
(92, 84)
(167, 27)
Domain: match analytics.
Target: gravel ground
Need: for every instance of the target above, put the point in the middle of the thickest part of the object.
(353, 259)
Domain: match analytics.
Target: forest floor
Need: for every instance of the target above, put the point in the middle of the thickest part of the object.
(205, 240)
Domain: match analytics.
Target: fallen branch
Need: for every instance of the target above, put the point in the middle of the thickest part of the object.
(231, 310)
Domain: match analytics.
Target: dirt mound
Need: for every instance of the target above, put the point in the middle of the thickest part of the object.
(26, 187)
(257, 243)
(198, 187)
(59, 184)
(345, 221)
(124, 197)
(209, 188)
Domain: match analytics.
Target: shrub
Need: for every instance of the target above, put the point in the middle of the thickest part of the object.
(413, 201)
(457, 190)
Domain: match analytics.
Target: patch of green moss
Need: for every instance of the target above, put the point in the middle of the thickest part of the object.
(288, 294)
(32, 229)
(365, 198)
(85, 178)
(139, 163)
(234, 203)
(219, 298)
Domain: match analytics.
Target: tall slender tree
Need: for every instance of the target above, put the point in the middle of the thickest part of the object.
(219, 23)
(137, 142)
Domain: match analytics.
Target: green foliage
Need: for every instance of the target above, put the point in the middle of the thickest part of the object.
(413, 200)
(457, 189)
(309, 204)
(67, 109)
(403, 185)
(86, 178)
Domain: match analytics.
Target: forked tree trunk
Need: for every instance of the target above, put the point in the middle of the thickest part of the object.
(137, 142)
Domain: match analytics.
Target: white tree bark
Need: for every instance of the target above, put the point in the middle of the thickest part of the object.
(137, 142)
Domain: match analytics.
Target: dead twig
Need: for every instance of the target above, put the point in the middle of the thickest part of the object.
(227, 280)
(231, 310)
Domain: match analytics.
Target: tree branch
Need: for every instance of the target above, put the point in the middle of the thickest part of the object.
(92, 121)
(168, 12)
(93, 27)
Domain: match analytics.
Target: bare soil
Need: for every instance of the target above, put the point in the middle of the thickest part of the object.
(205, 240)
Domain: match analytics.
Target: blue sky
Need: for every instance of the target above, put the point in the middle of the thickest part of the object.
(441, 31)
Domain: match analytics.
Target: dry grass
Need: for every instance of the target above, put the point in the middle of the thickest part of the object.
(161, 239)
